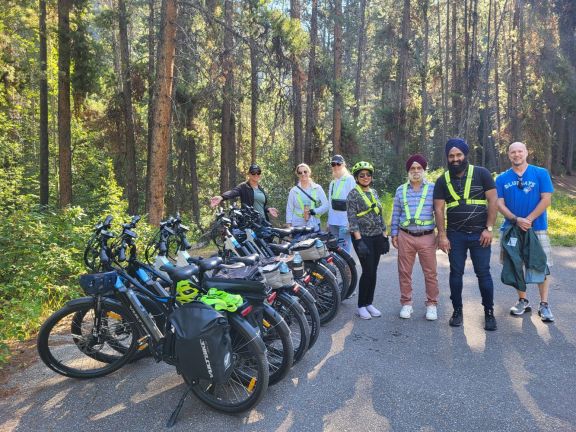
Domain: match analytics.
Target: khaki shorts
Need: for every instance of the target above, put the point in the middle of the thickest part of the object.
(544, 242)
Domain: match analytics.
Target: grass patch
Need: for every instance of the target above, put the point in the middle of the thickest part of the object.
(562, 220)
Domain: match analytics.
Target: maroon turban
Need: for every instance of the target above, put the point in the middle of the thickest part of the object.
(416, 158)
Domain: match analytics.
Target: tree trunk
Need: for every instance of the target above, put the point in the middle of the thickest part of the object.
(297, 93)
(310, 88)
(456, 84)
(400, 128)
(254, 100)
(361, 49)
(338, 102)
(44, 149)
(151, 74)
(162, 108)
(131, 170)
(227, 151)
(439, 148)
(64, 114)
(424, 79)
(497, 90)
(513, 81)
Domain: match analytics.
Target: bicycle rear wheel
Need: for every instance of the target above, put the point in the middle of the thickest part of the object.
(351, 268)
(311, 312)
(279, 346)
(293, 314)
(325, 290)
(249, 377)
(79, 341)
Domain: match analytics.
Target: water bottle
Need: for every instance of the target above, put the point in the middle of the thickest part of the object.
(297, 265)
(283, 267)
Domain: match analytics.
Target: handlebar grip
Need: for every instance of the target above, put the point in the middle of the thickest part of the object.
(104, 257)
(185, 243)
(122, 254)
(107, 221)
(135, 220)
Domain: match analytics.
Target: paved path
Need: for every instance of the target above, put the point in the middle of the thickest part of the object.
(378, 375)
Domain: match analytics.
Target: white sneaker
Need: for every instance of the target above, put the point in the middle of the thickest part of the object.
(373, 311)
(363, 313)
(406, 311)
(431, 313)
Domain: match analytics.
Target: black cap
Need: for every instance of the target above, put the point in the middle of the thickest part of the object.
(338, 159)
(254, 168)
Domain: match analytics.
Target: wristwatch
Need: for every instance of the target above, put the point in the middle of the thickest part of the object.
(489, 228)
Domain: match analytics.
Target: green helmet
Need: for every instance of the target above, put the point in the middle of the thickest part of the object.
(362, 165)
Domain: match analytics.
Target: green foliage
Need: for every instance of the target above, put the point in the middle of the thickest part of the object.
(562, 220)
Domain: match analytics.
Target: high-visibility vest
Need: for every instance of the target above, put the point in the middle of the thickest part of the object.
(341, 182)
(371, 203)
(416, 219)
(466, 198)
(301, 203)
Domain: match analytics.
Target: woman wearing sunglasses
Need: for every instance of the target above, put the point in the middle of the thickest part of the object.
(306, 201)
(338, 190)
(368, 232)
(250, 193)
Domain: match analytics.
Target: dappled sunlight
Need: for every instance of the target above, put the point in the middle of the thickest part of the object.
(254, 416)
(360, 402)
(55, 400)
(520, 379)
(110, 411)
(287, 423)
(475, 335)
(338, 340)
(158, 386)
(542, 329)
(13, 423)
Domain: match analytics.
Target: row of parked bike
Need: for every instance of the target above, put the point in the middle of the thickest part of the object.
(232, 324)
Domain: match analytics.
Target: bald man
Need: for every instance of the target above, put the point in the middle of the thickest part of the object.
(524, 194)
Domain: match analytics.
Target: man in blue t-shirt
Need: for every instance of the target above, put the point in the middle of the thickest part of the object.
(524, 194)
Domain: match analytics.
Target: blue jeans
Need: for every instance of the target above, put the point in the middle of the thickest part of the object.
(344, 239)
(460, 243)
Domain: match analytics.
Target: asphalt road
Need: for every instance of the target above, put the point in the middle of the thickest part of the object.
(378, 375)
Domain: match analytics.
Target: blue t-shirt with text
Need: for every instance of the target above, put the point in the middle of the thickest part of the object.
(521, 202)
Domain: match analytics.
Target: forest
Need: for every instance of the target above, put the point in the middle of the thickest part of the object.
(153, 106)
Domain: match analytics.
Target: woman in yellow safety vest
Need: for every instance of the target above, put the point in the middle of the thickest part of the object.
(368, 232)
(306, 201)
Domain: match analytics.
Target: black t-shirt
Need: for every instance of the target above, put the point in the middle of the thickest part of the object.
(466, 217)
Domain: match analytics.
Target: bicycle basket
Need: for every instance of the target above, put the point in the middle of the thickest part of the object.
(98, 283)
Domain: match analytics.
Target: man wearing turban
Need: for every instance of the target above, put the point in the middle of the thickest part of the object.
(468, 195)
(412, 231)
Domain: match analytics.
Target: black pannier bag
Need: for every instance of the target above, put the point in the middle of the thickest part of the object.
(339, 204)
(202, 345)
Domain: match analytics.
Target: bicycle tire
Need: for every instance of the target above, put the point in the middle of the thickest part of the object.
(325, 291)
(249, 379)
(311, 313)
(293, 314)
(353, 271)
(279, 347)
(69, 345)
(341, 272)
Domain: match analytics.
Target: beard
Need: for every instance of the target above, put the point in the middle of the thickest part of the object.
(415, 177)
(457, 168)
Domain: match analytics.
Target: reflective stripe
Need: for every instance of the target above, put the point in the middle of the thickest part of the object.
(372, 204)
(416, 219)
(312, 203)
(465, 200)
(341, 182)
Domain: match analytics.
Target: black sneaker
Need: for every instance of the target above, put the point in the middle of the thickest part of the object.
(489, 320)
(456, 319)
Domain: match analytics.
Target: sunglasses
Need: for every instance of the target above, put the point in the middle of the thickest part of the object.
(335, 164)
(302, 172)
(255, 172)
(520, 185)
(363, 175)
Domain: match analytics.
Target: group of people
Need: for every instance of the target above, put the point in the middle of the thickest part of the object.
(456, 215)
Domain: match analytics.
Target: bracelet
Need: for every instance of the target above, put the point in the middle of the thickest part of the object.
(514, 220)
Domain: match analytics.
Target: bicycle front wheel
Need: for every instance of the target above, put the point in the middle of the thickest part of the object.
(79, 341)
